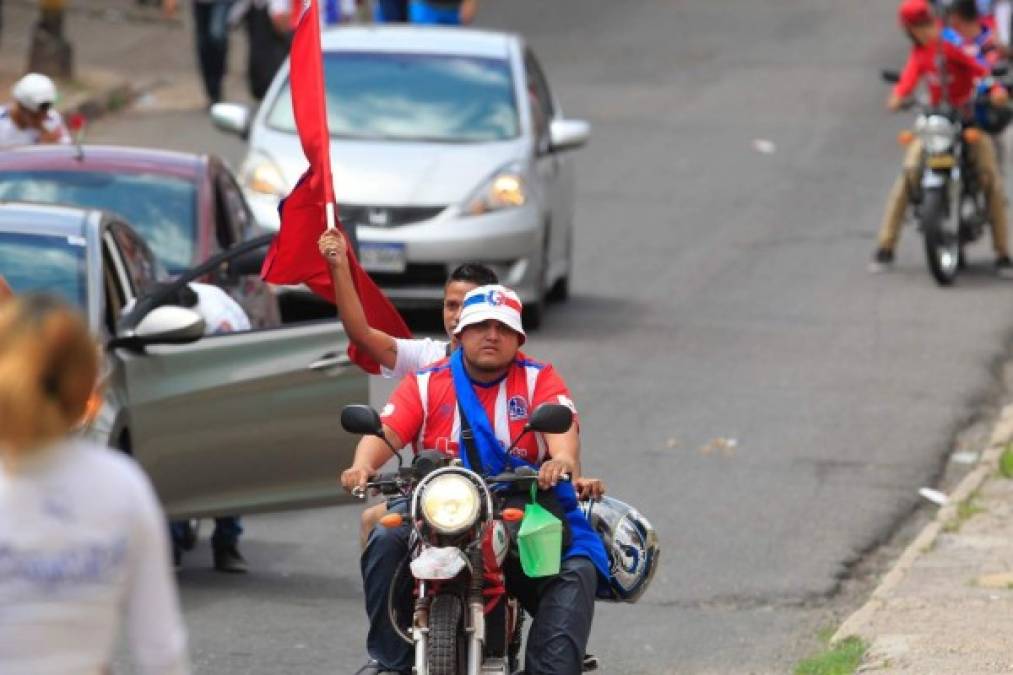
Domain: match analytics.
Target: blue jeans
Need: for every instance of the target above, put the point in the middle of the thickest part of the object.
(420, 11)
(390, 11)
(212, 33)
(227, 531)
(385, 552)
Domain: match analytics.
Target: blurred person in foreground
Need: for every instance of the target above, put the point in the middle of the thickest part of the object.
(442, 12)
(83, 547)
(30, 118)
(962, 75)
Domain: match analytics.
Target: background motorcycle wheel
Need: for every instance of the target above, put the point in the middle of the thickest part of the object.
(447, 644)
(942, 248)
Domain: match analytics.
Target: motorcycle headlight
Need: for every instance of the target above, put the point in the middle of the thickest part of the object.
(260, 174)
(936, 133)
(504, 190)
(451, 503)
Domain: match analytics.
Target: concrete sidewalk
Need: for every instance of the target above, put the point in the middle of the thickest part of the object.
(947, 604)
(124, 54)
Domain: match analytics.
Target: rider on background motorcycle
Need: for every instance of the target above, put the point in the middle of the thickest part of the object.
(494, 377)
(961, 76)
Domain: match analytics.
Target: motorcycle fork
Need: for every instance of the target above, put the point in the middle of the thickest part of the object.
(420, 630)
(475, 627)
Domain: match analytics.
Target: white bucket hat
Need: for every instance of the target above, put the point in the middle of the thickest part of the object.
(492, 302)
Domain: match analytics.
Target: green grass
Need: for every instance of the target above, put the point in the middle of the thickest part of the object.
(841, 659)
(1006, 462)
(965, 511)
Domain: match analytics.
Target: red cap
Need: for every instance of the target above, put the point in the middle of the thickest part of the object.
(914, 12)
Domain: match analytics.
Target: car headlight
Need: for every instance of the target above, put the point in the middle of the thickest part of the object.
(506, 189)
(261, 175)
(451, 503)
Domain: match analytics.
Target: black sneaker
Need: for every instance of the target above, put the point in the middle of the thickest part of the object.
(177, 557)
(881, 260)
(1004, 267)
(228, 560)
(373, 667)
(590, 663)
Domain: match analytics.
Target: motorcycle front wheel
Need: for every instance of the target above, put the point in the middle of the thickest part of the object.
(447, 645)
(942, 244)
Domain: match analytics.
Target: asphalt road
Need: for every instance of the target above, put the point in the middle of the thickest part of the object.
(727, 208)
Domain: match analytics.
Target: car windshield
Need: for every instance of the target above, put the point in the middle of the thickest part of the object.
(45, 263)
(163, 209)
(412, 97)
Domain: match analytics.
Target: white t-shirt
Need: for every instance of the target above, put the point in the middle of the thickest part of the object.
(414, 354)
(83, 547)
(220, 312)
(12, 136)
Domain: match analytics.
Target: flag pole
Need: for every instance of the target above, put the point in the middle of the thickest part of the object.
(329, 213)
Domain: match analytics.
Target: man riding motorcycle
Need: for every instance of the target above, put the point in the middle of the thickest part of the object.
(961, 75)
(484, 387)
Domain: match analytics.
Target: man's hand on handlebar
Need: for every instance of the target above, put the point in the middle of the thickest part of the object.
(552, 471)
(355, 479)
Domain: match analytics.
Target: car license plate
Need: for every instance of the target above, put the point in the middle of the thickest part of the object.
(382, 257)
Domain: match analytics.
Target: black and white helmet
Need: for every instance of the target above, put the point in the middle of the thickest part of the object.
(631, 545)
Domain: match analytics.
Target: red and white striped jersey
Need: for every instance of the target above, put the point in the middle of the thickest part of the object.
(423, 409)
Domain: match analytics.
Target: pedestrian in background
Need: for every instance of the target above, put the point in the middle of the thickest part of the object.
(30, 118)
(221, 315)
(82, 538)
(269, 35)
(211, 28)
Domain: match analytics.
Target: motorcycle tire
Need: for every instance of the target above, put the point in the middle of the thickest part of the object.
(447, 642)
(943, 261)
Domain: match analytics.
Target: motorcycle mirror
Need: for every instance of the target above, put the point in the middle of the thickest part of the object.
(551, 418)
(361, 419)
(891, 76)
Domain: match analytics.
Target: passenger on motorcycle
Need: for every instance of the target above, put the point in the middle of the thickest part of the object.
(961, 76)
(495, 379)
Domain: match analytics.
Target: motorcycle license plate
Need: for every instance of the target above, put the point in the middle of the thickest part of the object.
(941, 162)
(382, 257)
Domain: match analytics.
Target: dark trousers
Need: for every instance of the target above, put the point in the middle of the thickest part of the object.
(562, 605)
(390, 11)
(227, 531)
(212, 32)
(268, 49)
(386, 551)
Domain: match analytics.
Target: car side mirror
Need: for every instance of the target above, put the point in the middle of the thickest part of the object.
(1000, 71)
(361, 419)
(168, 324)
(568, 134)
(233, 118)
(891, 76)
(551, 418)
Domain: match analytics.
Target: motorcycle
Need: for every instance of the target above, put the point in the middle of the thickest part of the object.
(949, 203)
(463, 621)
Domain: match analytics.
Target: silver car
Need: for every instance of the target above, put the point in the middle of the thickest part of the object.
(447, 146)
(222, 424)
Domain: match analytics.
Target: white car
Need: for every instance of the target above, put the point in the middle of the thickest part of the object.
(447, 146)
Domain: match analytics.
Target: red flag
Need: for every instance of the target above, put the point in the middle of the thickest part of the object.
(293, 257)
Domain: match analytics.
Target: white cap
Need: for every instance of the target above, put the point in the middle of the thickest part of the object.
(33, 91)
(492, 302)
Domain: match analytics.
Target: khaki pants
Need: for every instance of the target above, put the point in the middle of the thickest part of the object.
(983, 156)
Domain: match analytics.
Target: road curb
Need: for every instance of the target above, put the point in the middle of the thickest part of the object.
(858, 622)
(107, 99)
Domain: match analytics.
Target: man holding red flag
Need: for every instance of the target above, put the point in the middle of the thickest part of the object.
(310, 207)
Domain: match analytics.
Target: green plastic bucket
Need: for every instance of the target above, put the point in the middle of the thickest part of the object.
(540, 539)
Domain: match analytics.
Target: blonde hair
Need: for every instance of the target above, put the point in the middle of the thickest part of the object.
(48, 369)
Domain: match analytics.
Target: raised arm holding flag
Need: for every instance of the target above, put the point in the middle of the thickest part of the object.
(311, 208)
